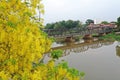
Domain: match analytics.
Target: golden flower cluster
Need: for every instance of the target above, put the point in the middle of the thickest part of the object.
(23, 44)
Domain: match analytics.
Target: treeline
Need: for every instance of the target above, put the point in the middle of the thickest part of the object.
(64, 24)
(69, 24)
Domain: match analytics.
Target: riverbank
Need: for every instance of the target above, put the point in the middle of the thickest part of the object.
(111, 36)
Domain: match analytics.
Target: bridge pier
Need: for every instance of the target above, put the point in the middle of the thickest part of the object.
(88, 36)
(69, 39)
(102, 34)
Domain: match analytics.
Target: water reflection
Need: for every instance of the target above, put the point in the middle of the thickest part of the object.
(88, 40)
(98, 64)
(82, 47)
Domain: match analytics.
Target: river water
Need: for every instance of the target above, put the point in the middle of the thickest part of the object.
(100, 60)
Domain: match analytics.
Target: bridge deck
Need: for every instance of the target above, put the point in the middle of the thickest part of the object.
(77, 31)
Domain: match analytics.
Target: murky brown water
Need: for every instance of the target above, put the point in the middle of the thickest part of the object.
(100, 60)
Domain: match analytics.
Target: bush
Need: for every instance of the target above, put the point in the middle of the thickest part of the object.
(22, 44)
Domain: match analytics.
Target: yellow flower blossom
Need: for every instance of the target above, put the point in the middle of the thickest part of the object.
(22, 44)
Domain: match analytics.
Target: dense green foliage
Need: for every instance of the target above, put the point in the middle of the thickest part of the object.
(104, 22)
(56, 54)
(64, 24)
(111, 36)
(89, 21)
(118, 22)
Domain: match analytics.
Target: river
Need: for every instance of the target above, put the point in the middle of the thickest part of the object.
(100, 60)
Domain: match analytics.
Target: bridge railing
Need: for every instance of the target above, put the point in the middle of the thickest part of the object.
(77, 31)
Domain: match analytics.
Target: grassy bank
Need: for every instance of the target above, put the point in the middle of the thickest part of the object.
(111, 36)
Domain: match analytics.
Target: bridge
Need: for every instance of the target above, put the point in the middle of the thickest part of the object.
(82, 47)
(77, 31)
(86, 32)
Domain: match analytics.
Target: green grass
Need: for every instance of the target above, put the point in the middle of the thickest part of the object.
(111, 36)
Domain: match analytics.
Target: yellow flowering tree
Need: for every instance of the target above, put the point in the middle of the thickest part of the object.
(23, 44)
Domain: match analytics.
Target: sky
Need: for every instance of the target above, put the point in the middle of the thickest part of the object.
(97, 10)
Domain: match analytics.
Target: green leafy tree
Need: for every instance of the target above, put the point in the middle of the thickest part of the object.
(49, 26)
(118, 22)
(89, 21)
(64, 24)
(104, 22)
(69, 24)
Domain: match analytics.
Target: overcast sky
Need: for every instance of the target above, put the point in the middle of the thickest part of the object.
(98, 10)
